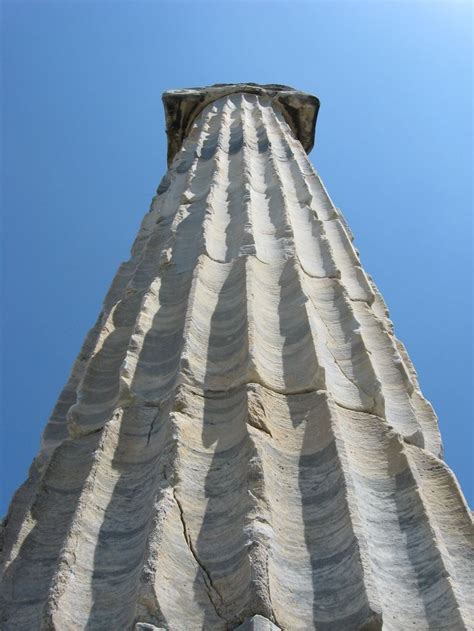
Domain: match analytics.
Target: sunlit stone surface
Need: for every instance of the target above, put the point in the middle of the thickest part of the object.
(242, 443)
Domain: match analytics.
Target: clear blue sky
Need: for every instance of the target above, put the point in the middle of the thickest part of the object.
(84, 149)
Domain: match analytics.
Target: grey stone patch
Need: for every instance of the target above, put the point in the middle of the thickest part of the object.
(257, 623)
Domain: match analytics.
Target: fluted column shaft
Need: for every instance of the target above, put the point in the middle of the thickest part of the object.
(242, 433)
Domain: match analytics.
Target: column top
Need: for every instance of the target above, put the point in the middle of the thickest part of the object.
(183, 106)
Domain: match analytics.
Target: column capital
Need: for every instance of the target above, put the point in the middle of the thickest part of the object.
(183, 106)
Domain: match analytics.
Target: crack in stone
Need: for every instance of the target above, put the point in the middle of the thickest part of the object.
(152, 425)
(210, 587)
(261, 426)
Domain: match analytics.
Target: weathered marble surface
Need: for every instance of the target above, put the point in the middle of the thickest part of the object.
(242, 440)
(299, 109)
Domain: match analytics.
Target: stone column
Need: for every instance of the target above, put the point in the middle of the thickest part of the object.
(242, 442)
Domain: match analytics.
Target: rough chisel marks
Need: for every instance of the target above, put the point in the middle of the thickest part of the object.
(242, 443)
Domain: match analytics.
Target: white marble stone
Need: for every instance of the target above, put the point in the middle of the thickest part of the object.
(242, 440)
